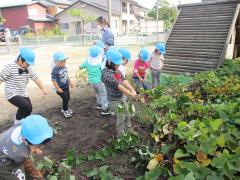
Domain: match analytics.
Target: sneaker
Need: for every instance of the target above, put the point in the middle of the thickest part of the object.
(70, 110)
(67, 114)
(106, 112)
(99, 107)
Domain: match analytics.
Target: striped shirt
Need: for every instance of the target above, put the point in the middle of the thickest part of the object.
(15, 83)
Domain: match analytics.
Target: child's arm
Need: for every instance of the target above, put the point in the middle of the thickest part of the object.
(5, 74)
(126, 91)
(83, 65)
(128, 86)
(59, 90)
(38, 82)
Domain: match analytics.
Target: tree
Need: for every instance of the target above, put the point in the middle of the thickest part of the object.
(86, 18)
(166, 12)
(2, 20)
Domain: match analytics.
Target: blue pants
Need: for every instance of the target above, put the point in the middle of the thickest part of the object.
(140, 84)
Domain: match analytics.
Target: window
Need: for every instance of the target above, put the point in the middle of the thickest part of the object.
(32, 12)
(124, 7)
(131, 9)
(114, 24)
(94, 24)
(64, 26)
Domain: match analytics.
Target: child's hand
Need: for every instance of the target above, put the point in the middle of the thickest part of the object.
(36, 151)
(44, 92)
(71, 84)
(60, 90)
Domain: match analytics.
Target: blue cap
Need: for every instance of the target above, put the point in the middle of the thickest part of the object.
(95, 51)
(144, 54)
(161, 48)
(100, 44)
(125, 53)
(35, 129)
(28, 55)
(114, 56)
(59, 56)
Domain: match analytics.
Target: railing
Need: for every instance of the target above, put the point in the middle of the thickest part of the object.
(88, 39)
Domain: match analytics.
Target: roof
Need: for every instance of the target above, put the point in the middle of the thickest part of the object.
(98, 6)
(12, 4)
(39, 19)
(209, 3)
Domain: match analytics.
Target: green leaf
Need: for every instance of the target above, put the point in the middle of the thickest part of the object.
(218, 162)
(103, 169)
(189, 176)
(53, 178)
(107, 151)
(221, 141)
(154, 174)
(92, 173)
(99, 156)
(180, 153)
(140, 178)
(80, 159)
(72, 177)
(213, 177)
(215, 124)
(179, 177)
(91, 155)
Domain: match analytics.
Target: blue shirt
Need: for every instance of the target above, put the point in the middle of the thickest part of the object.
(60, 75)
(107, 36)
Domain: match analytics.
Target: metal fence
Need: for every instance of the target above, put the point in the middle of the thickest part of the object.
(88, 39)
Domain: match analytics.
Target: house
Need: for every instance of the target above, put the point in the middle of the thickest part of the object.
(75, 25)
(31, 15)
(127, 16)
(203, 36)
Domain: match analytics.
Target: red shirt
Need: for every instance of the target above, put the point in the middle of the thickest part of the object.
(140, 67)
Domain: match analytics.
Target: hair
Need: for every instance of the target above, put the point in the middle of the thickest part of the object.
(102, 20)
(20, 57)
(110, 65)
(42, 143)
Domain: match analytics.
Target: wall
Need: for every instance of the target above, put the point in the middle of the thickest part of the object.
(15, 17)
(36, 10)
(66, 18)
(230, 48)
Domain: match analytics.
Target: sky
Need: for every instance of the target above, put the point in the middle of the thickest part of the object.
(150, 3)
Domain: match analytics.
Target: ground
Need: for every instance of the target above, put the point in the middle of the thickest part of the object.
(87, 129)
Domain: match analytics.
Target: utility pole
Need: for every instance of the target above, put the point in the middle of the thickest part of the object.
(157, 20)
(110, 12)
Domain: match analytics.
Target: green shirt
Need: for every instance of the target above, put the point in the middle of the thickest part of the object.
(94, 72)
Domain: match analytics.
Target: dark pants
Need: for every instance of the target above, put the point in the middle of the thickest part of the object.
(65, 98)
(24, 106)
(140, 84)
(12, 172)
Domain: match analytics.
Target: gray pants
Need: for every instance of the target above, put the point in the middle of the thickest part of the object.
(12, 172)
(121, 109)
(101, 95)
(155, 78)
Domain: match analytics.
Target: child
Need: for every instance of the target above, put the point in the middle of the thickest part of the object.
(16, 145)
(62, 82)
(140, 67)
(156, 63)
(16, 77)
(126, 57)
(93, 67)
(107, 35)
(117, 86)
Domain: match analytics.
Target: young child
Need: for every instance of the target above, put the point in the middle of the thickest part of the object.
(107, 35)
(17, 143)
(93, 66)
(61, 82)
(16, 77)
(140, 67)
(126, 57)
(117, 86)
(156, 64)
